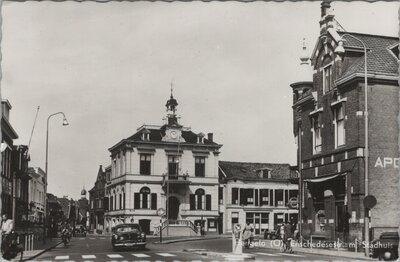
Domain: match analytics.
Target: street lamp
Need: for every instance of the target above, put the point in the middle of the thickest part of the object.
(64, 123)
(340, 50)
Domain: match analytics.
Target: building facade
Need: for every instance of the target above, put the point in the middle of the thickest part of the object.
(97, 200)
(8, 136)
(168, 167)
(329, 126)
(36, 194)
(257, 193)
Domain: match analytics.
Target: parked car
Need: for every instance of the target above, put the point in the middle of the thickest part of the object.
(128, 236)
(386, 247)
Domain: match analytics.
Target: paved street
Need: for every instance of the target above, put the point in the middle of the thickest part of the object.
(98, 248)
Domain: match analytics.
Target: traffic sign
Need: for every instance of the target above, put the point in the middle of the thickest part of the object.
(369, 201)
(161, 212)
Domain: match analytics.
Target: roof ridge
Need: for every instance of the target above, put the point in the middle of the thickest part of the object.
(239, 162)
(366, 34)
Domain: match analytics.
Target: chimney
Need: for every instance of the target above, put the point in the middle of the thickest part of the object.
(327, 18)
(325, 5)
(210, 137)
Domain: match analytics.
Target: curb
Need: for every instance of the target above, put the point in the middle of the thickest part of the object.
(336, 254)
(41, 252)
(186, 240)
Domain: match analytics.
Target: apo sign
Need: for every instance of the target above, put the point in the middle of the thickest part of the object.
(387, 162)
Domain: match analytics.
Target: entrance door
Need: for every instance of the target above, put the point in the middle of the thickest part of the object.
(145, 225)
(173, 208)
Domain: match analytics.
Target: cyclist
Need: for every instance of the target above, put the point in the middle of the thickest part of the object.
(288, 236)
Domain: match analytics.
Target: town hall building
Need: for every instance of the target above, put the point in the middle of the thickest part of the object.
(164, 167)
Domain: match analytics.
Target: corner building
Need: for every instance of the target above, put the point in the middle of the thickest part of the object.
(329, 126)
(168, 167)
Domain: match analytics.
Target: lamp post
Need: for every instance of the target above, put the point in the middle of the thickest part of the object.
(65, 123)
(340, 50)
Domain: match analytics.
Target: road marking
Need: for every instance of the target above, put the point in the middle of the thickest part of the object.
(266, 254)
(88, 256)
(140, 255)
(62, 257)
(291, 255)
(166, 254)
(114, 256)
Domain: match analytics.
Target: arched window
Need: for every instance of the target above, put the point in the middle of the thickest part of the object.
(200, 201)
(145, 199)
(199, 198)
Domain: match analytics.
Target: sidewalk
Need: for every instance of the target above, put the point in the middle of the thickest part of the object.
(40, 248)
(275, 244)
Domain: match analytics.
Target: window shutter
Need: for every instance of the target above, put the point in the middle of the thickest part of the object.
(153, 201)
(137, 201)
(271, 199)
(208, 202)
(256, 197)
(192, 201)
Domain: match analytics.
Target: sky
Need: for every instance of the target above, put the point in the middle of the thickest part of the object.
(109, 66)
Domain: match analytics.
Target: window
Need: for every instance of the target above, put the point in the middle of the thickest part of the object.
(145, 164)
(327, 78)
(200, 201)
(199, 169)
(235, 196)
(145, 199)
(339, 125)
(316, 131)
(173, 165)
(264, 197)
(279, 197)
(221, 195)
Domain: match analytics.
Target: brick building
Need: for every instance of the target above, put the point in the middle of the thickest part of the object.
(96, 201)
(329, 127)
(257, 193)
(168, 167)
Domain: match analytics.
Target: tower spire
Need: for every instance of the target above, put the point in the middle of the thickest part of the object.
(171, 106)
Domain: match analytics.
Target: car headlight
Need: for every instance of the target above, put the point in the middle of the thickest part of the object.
(115, 237)
(143, 235)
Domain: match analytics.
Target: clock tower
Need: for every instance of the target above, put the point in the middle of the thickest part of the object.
(173, 131)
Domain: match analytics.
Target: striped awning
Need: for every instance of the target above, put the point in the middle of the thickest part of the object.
(324, 178)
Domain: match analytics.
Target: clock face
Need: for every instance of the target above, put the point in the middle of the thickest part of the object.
(174, 134)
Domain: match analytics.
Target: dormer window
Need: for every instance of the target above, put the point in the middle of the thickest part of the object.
(146, 135)
(200, 138)
(264, 173)
(395, 51)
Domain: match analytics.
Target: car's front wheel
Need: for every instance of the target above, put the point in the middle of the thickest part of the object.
(386, 255)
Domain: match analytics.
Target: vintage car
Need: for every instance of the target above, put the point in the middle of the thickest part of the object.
(128, 236)
(386, 247)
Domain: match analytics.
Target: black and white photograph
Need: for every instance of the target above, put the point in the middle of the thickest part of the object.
(199, 131)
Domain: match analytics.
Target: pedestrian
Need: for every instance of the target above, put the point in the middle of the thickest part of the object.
(288, 236)
(248, 235)
(7, 226)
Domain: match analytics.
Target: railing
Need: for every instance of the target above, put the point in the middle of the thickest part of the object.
(175, 177)
(27, 240)
(166, 223)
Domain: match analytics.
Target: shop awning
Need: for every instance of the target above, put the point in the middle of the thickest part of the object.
(324, 178)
